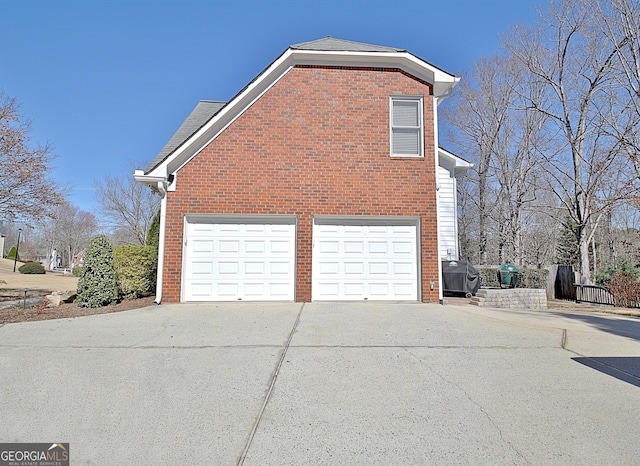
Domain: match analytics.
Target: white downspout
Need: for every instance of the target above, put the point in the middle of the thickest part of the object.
(162, 188)
(437, 165)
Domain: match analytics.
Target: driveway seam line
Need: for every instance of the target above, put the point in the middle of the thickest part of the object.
(272, 384)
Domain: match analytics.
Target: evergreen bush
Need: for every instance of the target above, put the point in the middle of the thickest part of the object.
(97, 286)
(135, 268)
(567, 249)
(12, 254)
(153, 235)
(32, 268)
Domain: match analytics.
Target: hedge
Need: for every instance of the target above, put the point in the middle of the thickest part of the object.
(135, 268)
(530, 278)
(32, 268)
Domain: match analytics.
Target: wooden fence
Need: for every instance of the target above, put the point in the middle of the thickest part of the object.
(564, 283)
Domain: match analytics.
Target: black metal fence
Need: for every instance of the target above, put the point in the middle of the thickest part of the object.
(594, 295)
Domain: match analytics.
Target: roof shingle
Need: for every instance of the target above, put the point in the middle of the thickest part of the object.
(340, 45)
(202, 113)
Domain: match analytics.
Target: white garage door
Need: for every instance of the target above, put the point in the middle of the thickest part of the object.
(375, 260)
(239, 260)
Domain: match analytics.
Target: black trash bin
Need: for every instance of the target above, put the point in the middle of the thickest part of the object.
(460, 277)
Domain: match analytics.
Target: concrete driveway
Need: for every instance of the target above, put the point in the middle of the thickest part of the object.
(326, 383)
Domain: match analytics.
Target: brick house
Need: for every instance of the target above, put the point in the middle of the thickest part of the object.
(322, 179)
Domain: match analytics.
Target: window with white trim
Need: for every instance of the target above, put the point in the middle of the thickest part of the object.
(406, 126)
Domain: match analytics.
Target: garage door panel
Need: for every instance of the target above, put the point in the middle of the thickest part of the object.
(254, 247)
(354, 268)
(202, 246)
(328, 269)
(201, 289)
(280, 268)
(355, 289)
(255, 228)
(328, 247)
(404, 290)
(202, 268)
(378, 268)
(254, 268)
(353, 247)
(360, 261)
(280, 247)
(380, 289)
(378, 247)
(239, 261)
(228, 246)
(228, 268)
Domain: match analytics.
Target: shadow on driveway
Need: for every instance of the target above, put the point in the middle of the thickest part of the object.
(626, 369)
(628, 327)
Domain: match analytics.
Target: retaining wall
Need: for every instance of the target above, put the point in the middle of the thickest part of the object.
(511, 298)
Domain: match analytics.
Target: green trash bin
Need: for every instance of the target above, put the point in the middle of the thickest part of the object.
(508, 275)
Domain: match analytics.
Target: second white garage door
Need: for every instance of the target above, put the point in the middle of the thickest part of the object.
(238, 259)
(365, 260)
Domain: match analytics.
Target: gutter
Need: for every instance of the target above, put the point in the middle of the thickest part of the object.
(159, 184)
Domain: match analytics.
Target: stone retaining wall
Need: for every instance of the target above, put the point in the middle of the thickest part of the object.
(511, 298)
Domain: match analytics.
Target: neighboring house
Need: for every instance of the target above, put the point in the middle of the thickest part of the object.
(321, 180)
(78, 260)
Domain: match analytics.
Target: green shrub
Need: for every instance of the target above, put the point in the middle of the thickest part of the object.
(12, 254)
(488, 277)
(153, 235)
(529, 278)
(97, 286)
(77, 271)
(31, 268)
(135, 268)
(534, 278)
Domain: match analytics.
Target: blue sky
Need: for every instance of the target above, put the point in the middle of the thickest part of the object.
(107, 83)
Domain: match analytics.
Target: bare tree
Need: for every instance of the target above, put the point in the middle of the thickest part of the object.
(25, 190)
(570, 57)
(619, 20)
(127, 206)
(68, 231)
(477, 116)
(494, 129)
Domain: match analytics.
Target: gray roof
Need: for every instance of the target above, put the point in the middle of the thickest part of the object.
(203, 112)
(340, 45)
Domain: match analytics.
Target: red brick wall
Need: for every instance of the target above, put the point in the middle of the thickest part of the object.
(317, 142)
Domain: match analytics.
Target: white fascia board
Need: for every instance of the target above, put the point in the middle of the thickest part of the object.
(443, 83)
(150, 180)
(458, 163)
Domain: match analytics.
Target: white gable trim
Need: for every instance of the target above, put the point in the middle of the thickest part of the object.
(443, 84)
(452, 162)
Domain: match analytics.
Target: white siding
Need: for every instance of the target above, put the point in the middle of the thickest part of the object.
(447, 222)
